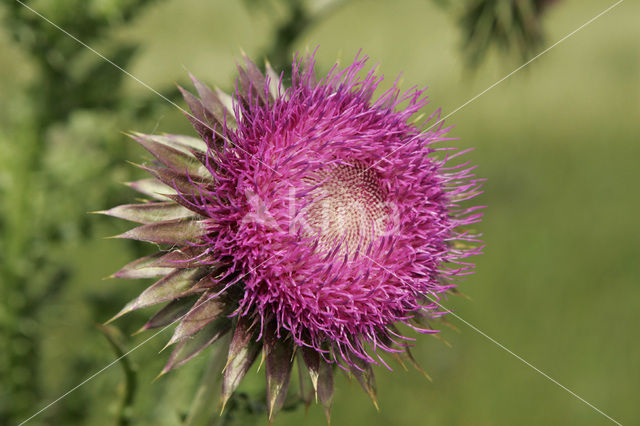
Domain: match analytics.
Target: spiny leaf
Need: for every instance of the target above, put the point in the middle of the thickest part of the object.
(175, 310)
(307, 391)
(241, 336)
(178, 160)
(184, 257)
(364, 374)
(191, 202)
(172, 232)
(312, 361)
(178, 181)
(152, 188)
(189, 348)
(212, 102)
(172, 286)
(399, 360)
(442, 339)
(206, 310)
(149, 212)
(203, 120)
(186, 144)
(242, 354)
(207, 159)
(325, 387)
(254, 73)
(279, 361)
(143, 268)
(251, 80)
(213, 280)
(274, 80)
(415, 364)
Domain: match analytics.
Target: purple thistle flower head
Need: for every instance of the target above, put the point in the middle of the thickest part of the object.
(309, 219)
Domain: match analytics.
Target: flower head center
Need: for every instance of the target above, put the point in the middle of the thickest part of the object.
(347, 207)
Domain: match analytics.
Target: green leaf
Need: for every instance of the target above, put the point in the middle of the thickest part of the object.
(241, 336)
(251, 81)
(172, 232)
(306, 388)
(149, 212)
(143, 268)
(312, 361)
(173, 286)
(152, 188)
(325, 387)
(184, 143)
(212, 102)
(408, 355)
(174, 310)
(274, 80)
(181, 161)
(176, 181)
(184, 257)
(321, 374)
(206, 310)
(187, 349)
(254, 73)
(242, 354)
(227, 101)
(279, 361)
(364, 374)
(204, 121)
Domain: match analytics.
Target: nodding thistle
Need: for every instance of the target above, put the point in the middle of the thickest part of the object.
(305, 221)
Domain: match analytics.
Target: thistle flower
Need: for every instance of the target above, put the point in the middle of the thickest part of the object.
(306, 222)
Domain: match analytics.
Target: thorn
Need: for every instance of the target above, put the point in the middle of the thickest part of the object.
(457, 292)
(135, 333)
(162, 373)
(417, 366)
(420, 369)
(450, 325)
(271, 412)
(399, 361)
(118, 315)
(375, 401)
(426, 375)
(225, 399)
(169, 343)
(327, 413)
(442, 339)
(261, 361)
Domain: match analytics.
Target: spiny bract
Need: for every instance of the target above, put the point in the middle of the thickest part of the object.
(304, 221)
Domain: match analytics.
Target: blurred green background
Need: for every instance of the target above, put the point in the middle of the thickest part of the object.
(558, 142)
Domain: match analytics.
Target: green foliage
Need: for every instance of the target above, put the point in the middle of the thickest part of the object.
(510, 25)
(67, 142)
(559, 227)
